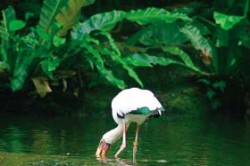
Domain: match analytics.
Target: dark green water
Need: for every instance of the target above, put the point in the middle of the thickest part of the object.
(161, 142)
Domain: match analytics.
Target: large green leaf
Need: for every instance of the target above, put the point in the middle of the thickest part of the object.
(95, 59)
(8, 15)
(70, 14)
(226, 22)
(115, 55)
(183, 56)
(158, 34)
(104, 21)
(21, 71)
(15, 25)
(198, 41)
(154, 15)
(49, 11)
(201, 43)
(49, 65)
(139, 60)
(146, 60)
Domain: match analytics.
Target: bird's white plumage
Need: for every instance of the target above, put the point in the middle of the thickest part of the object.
(143, 103)
(132, 99)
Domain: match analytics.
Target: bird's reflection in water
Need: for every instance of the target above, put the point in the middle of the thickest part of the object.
(117, 162)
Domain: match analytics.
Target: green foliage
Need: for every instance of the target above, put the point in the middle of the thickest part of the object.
(17, 64)
(208, 47)
(148, 19)
(158, 34)
(102, 21)
(106, 21)
(8, 15)
(154, 15)
(227, 46)
(214, 91)
(69, 15)
(38, 52)
(49, 11)
(226, 22)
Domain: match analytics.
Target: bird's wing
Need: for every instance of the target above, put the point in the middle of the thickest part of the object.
(133, 99)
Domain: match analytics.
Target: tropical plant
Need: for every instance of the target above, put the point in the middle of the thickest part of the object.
(213, 49)
(46, 47)
(224, 50)
(218, 49)
(24, 54)
(147, 18)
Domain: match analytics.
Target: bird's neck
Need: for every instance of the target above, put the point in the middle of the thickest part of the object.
(113, 135)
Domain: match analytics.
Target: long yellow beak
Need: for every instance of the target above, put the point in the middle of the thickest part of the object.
(102, 149)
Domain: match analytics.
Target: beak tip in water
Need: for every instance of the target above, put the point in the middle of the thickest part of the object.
(102, 149)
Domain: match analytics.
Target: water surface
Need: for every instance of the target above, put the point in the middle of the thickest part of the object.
(161, 142)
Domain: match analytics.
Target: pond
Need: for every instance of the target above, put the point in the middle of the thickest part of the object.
(73, 141)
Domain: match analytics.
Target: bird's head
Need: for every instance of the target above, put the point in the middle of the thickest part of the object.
(102, 149)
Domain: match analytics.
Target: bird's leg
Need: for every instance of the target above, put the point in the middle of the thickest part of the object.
(123, 145)
(136, 143)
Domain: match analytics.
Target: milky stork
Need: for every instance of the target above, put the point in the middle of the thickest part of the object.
(130, 105)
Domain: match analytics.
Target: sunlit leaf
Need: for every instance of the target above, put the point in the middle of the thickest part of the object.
(58, 41)
(154, 15)
(104, 21)
(70, 14)
(150, 60)
(15, 25)
(107, 21)
(226, 22)
(50, 65)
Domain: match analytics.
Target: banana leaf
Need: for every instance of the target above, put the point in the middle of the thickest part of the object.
(70, 14)
(104, 21)
(21, 71)
(95, 59)
(139, 60)
(227, 22)
(8, 15)
(199, 42)
(115, 55)
(49, 12)
(154, 15)
(158, 34)
(147, 60)
(186, 60)
(107, 21)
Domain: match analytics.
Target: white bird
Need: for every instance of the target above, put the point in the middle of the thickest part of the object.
(130, 105)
